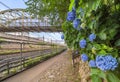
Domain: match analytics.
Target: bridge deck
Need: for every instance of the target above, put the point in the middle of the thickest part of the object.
(20, 38)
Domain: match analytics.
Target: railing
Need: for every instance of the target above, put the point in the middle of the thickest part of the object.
(14, 65)
(7, 63)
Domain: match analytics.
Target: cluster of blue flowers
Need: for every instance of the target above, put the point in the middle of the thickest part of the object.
(92, 63)
(82, 43)
(76, 23)
(92, 37)
(106, 62)
(71, 15)
(62, 36)
(84, 57)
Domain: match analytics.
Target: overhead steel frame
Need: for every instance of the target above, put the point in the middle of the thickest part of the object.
(18, 20)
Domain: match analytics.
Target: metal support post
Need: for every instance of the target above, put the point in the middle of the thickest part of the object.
(8, 69)
(51, 47)
(43, 45)
(21, 53)
(56, 46)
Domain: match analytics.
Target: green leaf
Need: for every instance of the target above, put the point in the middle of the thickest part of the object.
(89, 46)
(94, 71)
(97, 46)
(102, 52)
(109, 49)
(104, 46)
(112, 78)
(96, 78)
(119, 60)
(112, 33)
(71, 5)
(102, 36)
(98, 74)
(117, 43)
(102, 75)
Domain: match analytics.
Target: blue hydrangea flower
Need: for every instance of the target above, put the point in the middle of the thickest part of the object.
(106, 62)
(76, 23)
(82, 43)
(84, 57)
(92, 37)
(62, 36)
(92, 63)
(71, 15)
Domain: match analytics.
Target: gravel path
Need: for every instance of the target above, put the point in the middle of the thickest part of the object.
(56, 69)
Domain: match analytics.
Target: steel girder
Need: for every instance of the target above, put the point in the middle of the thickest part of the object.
(14, 20)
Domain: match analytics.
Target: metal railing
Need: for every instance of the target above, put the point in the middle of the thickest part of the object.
(14, 65)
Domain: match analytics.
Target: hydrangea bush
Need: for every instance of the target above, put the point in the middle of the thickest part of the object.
(93, 28)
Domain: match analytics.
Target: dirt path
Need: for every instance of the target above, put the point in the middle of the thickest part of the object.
(57, 69)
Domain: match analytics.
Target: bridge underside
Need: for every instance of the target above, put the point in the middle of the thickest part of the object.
(31, 29)
(18, 20)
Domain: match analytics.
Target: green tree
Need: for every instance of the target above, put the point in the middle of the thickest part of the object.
(55, 10)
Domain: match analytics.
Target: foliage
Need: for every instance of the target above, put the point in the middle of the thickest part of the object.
(54, 10)
(2, 40)
(33, 61)
(99, 27)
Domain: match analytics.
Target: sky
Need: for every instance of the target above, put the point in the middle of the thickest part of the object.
(13, 4)
(20, 4)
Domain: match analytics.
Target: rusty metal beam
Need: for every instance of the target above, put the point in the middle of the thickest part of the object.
(31, 29)
(11, 10)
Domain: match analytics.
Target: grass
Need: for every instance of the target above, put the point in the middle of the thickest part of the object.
(41, 58)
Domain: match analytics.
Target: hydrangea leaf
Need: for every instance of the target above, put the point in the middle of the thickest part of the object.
(97, 46)
(98, 73)
(94, 71)
(109, 49)
(102, 52)
(89, 46)
(96, 78)
(71, 5)
(111, 77)
(119, 60)
(117, 43)
(112, 33)
(103, 36)
(102, 75)
(104, 46)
